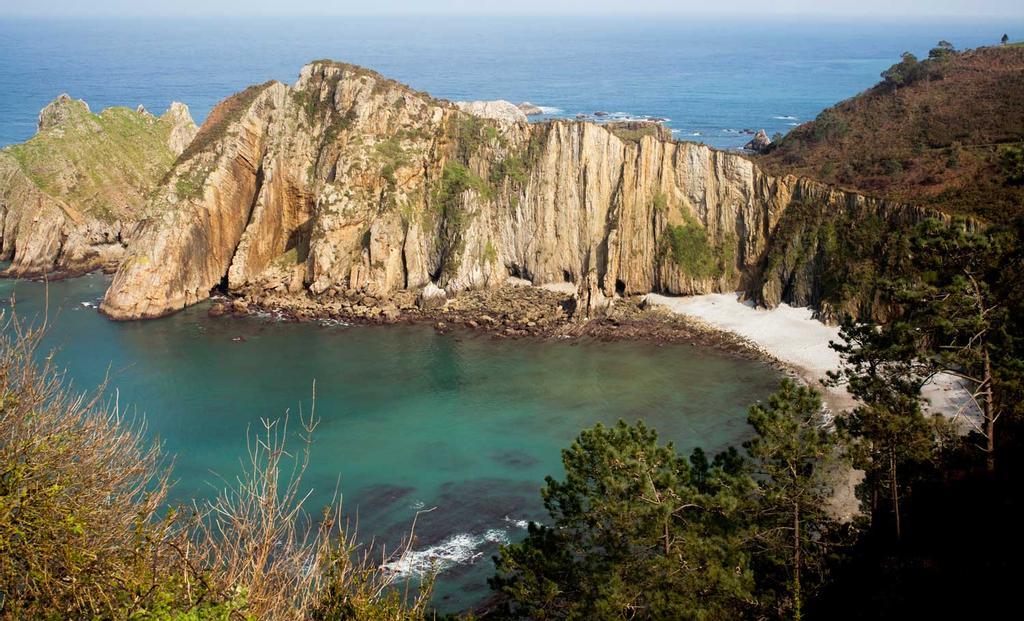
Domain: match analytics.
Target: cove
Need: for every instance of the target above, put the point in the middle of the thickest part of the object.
(410, 419)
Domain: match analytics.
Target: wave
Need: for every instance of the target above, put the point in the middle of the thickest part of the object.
(785, 118)
(549, 109)
(523, 524)
(605, 117)
(458, 549)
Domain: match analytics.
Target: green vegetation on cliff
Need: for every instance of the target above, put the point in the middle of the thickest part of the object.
(944, 132)
(103, 165)
(697, 255)
(837, 260)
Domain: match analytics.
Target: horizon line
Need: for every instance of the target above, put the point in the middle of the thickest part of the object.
(747, 16)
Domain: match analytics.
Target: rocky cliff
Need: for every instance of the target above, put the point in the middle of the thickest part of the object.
(71, 195)
(348, 183)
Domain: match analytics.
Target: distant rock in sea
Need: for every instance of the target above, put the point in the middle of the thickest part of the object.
(530, 109)
(759, 143)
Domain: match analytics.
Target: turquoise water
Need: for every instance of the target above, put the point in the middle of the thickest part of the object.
(409, 419)
(711, 77)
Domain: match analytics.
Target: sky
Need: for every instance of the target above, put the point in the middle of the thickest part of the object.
(881, 9)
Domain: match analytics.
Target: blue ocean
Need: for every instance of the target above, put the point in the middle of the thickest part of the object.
(713, 78)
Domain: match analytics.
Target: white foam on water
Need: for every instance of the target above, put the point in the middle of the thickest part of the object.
(785, 118)
(549, 109)
(456, 550)
(521, 524)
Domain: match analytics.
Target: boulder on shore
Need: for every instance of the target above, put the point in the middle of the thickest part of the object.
(432, 297)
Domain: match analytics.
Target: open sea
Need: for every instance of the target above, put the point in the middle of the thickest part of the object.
(712, 78)
(412, 420)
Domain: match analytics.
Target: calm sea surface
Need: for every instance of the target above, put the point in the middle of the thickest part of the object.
(712, 78)
(412, 420)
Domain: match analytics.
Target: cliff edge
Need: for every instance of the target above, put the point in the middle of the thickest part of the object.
(347, 183)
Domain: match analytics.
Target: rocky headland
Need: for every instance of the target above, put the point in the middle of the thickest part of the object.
(348, 186)
(353, 196)
(71, 196)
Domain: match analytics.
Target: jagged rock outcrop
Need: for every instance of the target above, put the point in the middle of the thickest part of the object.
(351, 183)
(70, 196)
(759, 143)
(60, 110)
(530, 109)
(498, 110)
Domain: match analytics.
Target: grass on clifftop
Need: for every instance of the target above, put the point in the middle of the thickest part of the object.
(100, 164)
(947, 132)
(221, 117)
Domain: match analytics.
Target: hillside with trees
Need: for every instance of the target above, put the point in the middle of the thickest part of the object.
(945, 131)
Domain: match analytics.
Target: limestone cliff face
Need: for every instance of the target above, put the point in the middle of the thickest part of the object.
(349, 182)
(70, 196)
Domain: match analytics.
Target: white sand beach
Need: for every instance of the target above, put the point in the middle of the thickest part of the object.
(796, 339)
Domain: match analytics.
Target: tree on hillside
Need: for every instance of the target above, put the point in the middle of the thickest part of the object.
(891, 437)
(791, 450)
(959, 315)
(902, 72)
(942, 51)
(636, 532)
(1004, 39)
(957, 319)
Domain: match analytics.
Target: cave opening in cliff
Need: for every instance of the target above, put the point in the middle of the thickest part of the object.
(620, 288)
(221, 287)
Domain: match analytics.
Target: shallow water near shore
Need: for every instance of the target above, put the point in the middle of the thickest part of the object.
(410, 419)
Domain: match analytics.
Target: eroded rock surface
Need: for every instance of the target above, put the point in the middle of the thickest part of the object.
(348, 184)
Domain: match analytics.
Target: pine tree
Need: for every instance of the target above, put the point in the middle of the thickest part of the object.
(791, 450)
(636, 532)
(891, 437)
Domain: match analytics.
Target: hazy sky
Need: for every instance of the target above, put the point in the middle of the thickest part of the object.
(184, 8)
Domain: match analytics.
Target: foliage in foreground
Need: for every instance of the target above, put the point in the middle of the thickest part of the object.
(638, 531)
(85, 532)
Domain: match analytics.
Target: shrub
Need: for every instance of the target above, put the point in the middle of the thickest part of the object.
(80, 493)
(85, 532)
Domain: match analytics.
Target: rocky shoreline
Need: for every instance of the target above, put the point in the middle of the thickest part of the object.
(507, 312)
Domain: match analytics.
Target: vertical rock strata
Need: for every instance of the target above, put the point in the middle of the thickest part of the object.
(349, 182)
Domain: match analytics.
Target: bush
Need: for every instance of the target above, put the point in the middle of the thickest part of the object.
(85, 532)
(80, 494)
